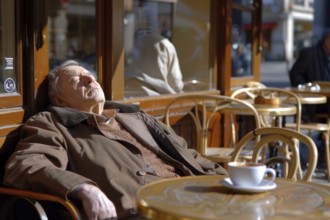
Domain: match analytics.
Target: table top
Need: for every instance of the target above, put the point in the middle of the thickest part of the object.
(263, 109)
(310, 98)
(322, 91)
(204, 197)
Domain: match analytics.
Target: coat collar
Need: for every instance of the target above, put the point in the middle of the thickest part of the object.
(70, 117)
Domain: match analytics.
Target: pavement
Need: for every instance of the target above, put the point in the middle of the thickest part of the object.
(275, 74)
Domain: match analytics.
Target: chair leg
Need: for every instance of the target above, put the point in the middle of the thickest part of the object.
(327, 152)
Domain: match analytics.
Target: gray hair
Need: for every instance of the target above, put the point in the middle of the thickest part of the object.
(54, 80)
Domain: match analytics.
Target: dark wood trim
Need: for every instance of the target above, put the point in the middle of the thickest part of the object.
(221, 22)
(113, 55)
(257, 39)
(155, 105)
(100, 40)
(256, 11)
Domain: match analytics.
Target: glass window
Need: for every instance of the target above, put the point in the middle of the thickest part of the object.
(72, 32)
(8, 77)
(166, 47)
(241, 42)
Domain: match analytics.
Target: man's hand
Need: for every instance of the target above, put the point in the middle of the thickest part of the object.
(95, 203)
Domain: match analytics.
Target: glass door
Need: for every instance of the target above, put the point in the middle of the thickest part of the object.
(8, 76)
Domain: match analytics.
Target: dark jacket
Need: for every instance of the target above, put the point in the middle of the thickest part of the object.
(310, 66)
(59, 150)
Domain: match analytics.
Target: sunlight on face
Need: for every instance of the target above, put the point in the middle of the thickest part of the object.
(79, 89)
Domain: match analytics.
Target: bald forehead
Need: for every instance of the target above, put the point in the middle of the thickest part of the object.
(74, 70)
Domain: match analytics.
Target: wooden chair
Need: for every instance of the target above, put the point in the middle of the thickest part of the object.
(323, 85)
(323, 128)
(9, 197)
(286, 142)
(202, 108)
(281, 96)
(254, 84)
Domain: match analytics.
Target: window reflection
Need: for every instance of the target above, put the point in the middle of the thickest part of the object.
(72, 32)
(241, 42)
(166, 47)
(8, 77)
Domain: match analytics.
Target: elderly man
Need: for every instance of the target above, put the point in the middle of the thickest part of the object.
(95, 152)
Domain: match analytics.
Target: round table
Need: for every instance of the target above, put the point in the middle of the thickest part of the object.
(308, 98)
(205, 198)
(263, 109)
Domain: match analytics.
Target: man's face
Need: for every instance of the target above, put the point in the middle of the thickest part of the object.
(79, 89)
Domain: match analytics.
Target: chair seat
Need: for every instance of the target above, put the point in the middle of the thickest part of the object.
(223, 155)
(218, 154)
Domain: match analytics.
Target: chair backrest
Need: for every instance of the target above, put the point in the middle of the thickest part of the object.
(254, 84)
(285, 142)
(284, 97)
(202, 108)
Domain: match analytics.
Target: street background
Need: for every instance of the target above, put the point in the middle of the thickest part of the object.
(274, 74)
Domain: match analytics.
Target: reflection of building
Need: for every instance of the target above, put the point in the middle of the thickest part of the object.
(287, 27)
(290, 25)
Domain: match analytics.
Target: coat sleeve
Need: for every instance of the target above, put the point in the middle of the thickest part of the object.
(40, 160)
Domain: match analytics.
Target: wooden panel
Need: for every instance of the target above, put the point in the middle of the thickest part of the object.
(10, 100)
(8, 130)
(10, 116)
(156, 105)
(7, 146)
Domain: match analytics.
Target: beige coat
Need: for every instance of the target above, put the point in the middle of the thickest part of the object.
(58, 151)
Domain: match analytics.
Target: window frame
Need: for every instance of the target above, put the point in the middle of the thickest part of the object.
(220, 52)
(110, 52)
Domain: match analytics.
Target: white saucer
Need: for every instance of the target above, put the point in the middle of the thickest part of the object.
(264, 186)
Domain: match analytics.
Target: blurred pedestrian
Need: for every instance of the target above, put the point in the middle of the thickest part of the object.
(313, 64)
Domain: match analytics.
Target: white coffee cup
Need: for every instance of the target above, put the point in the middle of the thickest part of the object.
(249, 174)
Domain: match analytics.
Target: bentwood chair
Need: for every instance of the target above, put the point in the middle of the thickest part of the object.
(321, 124)
(273, 102)
(202, 109)
(275, 99)
(254, 84)
(13, 200)
(285, 140)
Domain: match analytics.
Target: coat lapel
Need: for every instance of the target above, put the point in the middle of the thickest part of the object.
(138, 129)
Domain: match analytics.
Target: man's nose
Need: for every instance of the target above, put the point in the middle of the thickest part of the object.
(88, 79)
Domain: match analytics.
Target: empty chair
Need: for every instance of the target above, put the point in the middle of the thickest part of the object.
(254, 84)
(270, 105)
(285, 140)
(202, 108)
(321, 124)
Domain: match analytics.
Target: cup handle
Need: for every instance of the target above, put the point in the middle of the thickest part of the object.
(272, 173)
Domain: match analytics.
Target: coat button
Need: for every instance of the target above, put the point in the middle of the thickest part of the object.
(141, 173)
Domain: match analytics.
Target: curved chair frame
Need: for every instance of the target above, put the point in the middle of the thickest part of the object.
(202, 108)
(289, 139)
(288, 97)
(33, 198)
